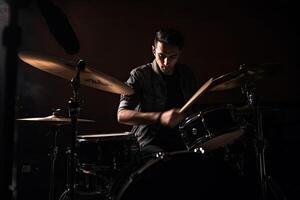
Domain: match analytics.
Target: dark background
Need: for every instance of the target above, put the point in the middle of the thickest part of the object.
(116, 36)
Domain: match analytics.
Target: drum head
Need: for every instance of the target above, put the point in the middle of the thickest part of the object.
(185, 175)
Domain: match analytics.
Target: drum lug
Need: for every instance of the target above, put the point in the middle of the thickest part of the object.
(159, 155)
(199, 150)
(194, 131)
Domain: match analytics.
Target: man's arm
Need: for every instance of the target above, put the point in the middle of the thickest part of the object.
(132, 117)
(168, 118)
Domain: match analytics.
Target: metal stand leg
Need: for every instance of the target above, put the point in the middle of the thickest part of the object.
(66, 194)
(74, 110)
(249, 89)
(53, 156)
(266, 182)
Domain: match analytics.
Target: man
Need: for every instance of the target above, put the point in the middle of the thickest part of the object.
(161, 88)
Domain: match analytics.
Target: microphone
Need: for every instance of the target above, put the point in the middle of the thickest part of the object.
(59, 26)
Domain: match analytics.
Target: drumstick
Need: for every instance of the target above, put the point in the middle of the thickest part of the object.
(196, 95)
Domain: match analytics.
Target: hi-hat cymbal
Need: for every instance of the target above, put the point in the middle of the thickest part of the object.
(234, 79)
(54, 119)
(67, 70)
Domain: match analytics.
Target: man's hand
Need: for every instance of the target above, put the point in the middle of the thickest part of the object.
(171, 118)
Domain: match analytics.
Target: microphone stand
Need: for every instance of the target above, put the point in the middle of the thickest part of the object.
(248, 88)
(74, 109)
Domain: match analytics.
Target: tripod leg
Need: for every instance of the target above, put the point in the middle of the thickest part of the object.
(52, 155)
(262, 170)
(52, 170)
(266, 181)
(275, 189)
(66, 194)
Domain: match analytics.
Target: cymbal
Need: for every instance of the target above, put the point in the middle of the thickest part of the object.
(67, 70)
(54, 119)
(103, 135)
(234, 79)
(226, 81)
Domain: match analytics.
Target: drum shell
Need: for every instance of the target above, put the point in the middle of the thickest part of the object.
(108, 152)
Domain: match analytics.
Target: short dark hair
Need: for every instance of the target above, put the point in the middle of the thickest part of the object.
(169, 36)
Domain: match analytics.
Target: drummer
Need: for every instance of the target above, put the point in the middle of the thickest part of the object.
(160, 89)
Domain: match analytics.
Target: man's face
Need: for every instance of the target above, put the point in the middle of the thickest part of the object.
(166, 56)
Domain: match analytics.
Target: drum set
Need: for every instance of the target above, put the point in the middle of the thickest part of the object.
(108, 165)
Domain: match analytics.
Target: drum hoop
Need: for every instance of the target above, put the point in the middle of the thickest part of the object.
(196, 143)
(202, 113)
(190, 120)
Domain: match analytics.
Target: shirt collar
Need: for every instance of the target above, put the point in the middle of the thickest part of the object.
(157, 70)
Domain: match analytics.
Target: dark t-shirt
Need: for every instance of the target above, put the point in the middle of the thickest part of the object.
(169, 138)
(174, 94)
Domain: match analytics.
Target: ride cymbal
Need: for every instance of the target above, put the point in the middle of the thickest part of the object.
(67, 70)
(234, 79)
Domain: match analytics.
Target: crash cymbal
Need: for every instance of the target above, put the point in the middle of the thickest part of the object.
(234, 79)
(54, 119)
(67, 70)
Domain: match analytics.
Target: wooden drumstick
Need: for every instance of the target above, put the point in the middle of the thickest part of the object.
(196, 96)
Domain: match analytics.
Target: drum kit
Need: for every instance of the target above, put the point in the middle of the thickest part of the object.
(102, 164)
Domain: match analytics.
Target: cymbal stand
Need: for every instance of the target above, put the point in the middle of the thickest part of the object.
(249, 89)
(53, 155)
(74, 109)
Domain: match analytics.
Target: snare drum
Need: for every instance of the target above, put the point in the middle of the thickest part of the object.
(211, 129)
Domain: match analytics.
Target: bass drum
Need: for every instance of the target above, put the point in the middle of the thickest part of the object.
(180, 175)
